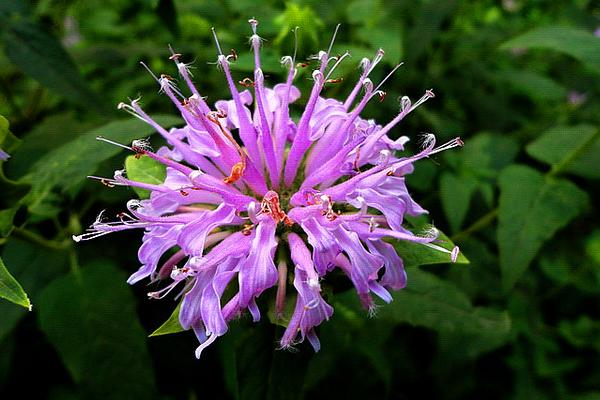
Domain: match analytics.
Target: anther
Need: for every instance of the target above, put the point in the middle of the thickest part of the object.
(247, 82)
(236, 173)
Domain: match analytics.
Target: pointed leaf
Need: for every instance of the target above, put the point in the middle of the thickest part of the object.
(11, 290)
(414, 254)
(456, 193)
(532, 209)
(171, 325)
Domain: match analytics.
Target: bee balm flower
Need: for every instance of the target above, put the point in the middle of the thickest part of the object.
(288, 205)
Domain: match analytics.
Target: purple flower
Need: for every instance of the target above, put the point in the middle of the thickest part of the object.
(4, 155)
(300, 198)
(576, 98)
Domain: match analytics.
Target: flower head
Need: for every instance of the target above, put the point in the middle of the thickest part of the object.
(283, 207)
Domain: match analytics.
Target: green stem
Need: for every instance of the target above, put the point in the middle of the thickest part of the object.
(42, 241)
(477, 225)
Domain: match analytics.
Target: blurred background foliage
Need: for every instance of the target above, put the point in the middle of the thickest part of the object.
(517, 80)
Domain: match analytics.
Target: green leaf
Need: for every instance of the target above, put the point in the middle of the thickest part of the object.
(33, 267)
(573, 149)
(89, 316)
(534, 85)
(430, 302)
(456, 193)
(8, 141)
(584, 332)
(11, 290)
(532, 209)
(414, 254)
(69, 164)
(579, 44)
(145, 170)
(171, 325)
(42, 57)
(485, 155)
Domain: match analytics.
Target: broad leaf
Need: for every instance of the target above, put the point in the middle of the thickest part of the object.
(145, 170)
(42, 57)
(89, 316)
(578, 146)
(11, 290)
(532, 209)
(69, 164)
(579, 44)
(433, 303)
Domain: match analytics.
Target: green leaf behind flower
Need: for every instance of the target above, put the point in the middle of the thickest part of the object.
(171, 325)
(146, 170)
(68, 165)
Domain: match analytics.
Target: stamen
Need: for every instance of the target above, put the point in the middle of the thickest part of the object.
(216, 41)
(150, 71)
(103, 139)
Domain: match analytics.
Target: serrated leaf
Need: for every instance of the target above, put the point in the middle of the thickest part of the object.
(532, 209)
(579, 44)
(566, 144)
(69, 164)
(11, 290)
(89, 316)
(171, 325)
(145, 170)
(41, 56)
(436, 304)
(455, 194)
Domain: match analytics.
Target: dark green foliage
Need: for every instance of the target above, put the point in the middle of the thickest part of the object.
(517, 80)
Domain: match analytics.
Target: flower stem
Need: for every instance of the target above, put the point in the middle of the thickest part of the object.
(40, 240)
(573, 155)
(476, 226)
